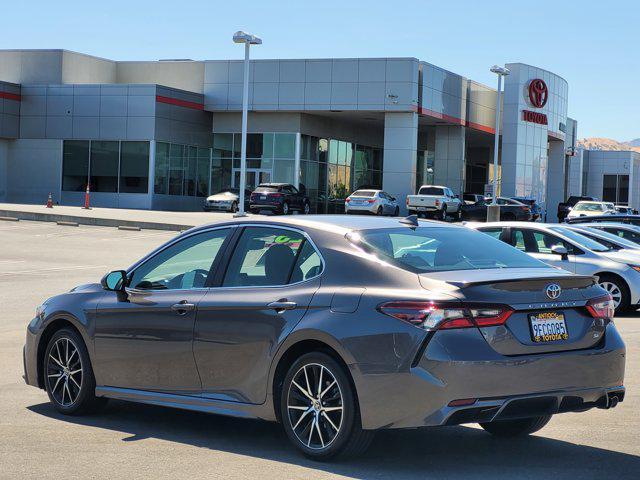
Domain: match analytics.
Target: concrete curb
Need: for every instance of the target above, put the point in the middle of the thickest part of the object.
(102, 222)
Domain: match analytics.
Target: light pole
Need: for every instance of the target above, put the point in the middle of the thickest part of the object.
(493, 210)
(248, 40)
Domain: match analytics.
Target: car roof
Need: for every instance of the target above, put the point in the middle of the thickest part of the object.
(608, 224)
(338, 224)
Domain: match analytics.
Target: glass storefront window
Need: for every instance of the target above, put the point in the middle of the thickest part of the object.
(176, 169)
(202, 189)
(104, 166)
(134, 167)
(223, 145)
(323, 147)
(283, 171)
(285, 145)
(161, 174)
(190, 167)
(75, 165)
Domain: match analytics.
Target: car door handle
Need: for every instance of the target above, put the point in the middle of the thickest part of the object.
(182, 307)
(282, 305)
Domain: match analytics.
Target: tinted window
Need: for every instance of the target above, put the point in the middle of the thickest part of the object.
(581, 239)
(363, 193)
(535, 241)
(494, 232)
(264, 256)
(183, 265)
(308, 264)
(433, 249)
(626, 234)
(431, 191)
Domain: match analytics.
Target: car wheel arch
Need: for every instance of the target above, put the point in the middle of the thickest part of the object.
(49, 331)
(616, 277)
(294, 350)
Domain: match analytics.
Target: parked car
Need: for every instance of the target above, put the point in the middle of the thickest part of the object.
(622, 219)
(226, 200)
(536, 210)
(630, 233)
(618, 271)
(335, 326)
(436, 201)
(565, 207)
(590, 209)
(509, 210)
(610, 240)
(471, 198)
(624, 210)
(375, 202)
(281, 198)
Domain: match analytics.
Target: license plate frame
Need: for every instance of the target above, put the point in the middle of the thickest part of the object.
(556, 327)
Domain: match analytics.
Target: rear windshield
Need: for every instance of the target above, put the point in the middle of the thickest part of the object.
(363, 193)
(266, 189)
(441, 249)
(431, 191)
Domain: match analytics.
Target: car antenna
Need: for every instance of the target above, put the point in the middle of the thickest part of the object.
(411, 220)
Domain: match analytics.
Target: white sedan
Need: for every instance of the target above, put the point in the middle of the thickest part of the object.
(590, 209)
(375, 202)
(618, 271)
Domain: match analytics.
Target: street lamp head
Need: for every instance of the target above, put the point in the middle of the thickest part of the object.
(500, 70)
(244, 37)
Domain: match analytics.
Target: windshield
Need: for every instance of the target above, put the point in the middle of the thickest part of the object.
(606, 236)
(438, 249)
(582, 240)
(588, 207)
(431, 191)
(363, 193)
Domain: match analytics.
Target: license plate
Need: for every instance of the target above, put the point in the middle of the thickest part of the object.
(263, 197)
(548, 327)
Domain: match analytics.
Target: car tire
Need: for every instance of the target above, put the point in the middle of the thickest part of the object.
(442, 215)
(306, 209)
(618, 289)
(285, 208)
(338, 431)
(379, 211)
(234, 207)
(68, 376)
(396, 212)
(515, 428)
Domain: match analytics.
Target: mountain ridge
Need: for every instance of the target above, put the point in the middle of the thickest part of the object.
(600, 143)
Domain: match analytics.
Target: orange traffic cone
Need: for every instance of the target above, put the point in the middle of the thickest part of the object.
(49, 201)
(86, 199)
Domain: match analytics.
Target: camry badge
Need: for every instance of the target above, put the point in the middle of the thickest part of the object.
(553, 291)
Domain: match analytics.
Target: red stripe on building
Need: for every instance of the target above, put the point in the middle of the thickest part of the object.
(11, 96)
(455, 120)
(179, 103)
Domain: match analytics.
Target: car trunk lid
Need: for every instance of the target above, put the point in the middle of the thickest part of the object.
(534, 313)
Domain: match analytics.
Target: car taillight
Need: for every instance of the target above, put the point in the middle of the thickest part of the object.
(275, 195)
(371, 201)
(347, 200)
(434, 316)
(601, 307)
(437, 203)
(407, 201)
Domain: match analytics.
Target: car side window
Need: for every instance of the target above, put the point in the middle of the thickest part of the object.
(268, 256)
(545, 242)
(183, 265)
(293, 189)
(494, 232)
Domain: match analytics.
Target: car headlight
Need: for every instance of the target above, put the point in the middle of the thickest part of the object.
(40, 310)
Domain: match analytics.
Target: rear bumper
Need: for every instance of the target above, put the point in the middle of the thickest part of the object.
(499, 387)
(273, 207)
(360, 209)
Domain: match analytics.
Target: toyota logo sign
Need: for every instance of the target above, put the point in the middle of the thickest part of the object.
(538, 93)
(553, 291)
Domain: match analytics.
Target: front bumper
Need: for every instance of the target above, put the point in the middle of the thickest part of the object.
(30, 359)
(216, 208)
(460, 364)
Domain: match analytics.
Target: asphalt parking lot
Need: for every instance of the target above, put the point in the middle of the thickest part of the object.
(38, 260)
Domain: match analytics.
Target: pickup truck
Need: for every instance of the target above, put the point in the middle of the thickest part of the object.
(565, 207)
(436, 201)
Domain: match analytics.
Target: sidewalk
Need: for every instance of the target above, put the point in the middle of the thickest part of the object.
(112, 217)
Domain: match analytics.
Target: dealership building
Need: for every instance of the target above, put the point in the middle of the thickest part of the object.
(164, 134)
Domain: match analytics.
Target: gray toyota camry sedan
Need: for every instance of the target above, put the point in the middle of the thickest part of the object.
(336, 327)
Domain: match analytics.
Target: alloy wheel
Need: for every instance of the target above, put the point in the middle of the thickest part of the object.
(64, 372)
(614, 291)
(315, 406)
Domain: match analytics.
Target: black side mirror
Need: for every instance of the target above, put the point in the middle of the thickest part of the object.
(560, 250)
(114, 281)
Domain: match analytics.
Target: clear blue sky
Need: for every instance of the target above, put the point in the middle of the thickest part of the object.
(593, 44)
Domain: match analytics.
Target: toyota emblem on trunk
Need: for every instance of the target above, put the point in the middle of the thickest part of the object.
(553, 291)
